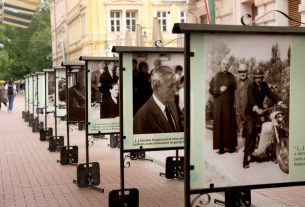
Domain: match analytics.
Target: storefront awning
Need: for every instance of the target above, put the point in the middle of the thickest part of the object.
(18, 13)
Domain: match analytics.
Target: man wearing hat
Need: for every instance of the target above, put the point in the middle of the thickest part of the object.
(241, 99)
(257, 91)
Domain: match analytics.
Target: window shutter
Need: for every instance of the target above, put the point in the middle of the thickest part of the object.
(293, 11)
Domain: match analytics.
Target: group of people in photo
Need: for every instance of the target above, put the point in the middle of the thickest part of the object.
(237, 107)
(105, 88)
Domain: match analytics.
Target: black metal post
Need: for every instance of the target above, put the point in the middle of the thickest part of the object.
(187, 121)
(121, 123)
(28, 93)
(25, 95)
(33, 95)
(45, 100)
(37, 99)
(55, 104)
(86, 113)
(67, 104)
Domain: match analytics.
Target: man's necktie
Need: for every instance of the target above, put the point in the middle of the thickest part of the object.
(170, 118)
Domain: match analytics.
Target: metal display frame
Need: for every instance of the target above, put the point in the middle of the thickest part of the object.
(99, 135)
(56, 142)
(25, 113)
(32, 115)
(29, 115)
(46, 132)
(87, 173)
(37, 125)
(135, 153)
(233, 194)
(68, 153)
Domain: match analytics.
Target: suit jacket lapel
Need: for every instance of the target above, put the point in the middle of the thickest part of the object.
(159, 117)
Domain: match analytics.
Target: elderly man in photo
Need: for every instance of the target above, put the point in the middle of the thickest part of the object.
(159, 114)
(241, 99)
(222, 87)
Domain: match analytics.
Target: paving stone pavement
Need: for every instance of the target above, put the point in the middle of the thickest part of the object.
(30, 175)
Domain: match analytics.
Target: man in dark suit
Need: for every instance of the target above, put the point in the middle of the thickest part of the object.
(108, 77)
(95, 82)
(159, 114)
(110, 105)
(256, 93)
(77, 98)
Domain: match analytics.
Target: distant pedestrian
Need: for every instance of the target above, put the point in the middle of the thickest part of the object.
(3, 98)
(10, 92)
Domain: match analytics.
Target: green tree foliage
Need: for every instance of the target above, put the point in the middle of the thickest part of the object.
(26, 50)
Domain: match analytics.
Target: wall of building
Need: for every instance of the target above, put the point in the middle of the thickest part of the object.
(231, 11)
(84, 26)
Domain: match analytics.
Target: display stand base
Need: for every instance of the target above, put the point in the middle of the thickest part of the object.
(236, 198)
(139, 155)
(45, 134)
(81, 126)
(68, 155)
(174, 168)
(27, 116)
(96, 137)
(36, 125)
(126, 197)
(55, 143)
(114, 141)
(88, 175)
(24, 114)
(31, 119)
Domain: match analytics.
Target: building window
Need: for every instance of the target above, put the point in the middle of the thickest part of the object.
(293, 12)
(162, 20)
(115, 21)
(131, 21)
(183, 17)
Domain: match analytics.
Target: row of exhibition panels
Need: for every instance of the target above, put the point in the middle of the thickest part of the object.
(205, 47)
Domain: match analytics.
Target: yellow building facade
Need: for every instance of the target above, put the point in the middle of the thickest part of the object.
(92, 27)
(230, 11)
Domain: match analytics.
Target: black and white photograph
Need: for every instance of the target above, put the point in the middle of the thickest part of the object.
(61, 93)
(247, 109)
(104, 99)
(60, 84)
(103, 109)
(51, 89)
(77, 96)
(158, 100)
